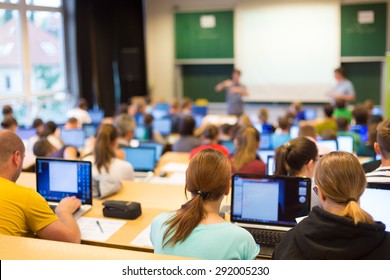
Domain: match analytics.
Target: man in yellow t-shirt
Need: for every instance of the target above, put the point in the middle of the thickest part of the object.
(24, 212)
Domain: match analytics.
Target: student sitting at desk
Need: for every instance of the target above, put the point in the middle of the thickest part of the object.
(209, 139)
(125, 126)
(187, 140)
(343, 130)
(297, 157)
(10, 123)
(196, 230)
(24, 212)
(109, 165)
(43, 148)
(282, 133)
(340, 229)
(245, 159)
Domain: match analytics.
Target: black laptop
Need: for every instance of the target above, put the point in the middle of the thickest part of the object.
(267, 206)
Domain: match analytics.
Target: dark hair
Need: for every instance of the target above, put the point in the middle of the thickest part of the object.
(340, 103)
(72, 120)
(340, 70)
(186, 126)
(83, 103)
(284, 122)
(104, 151)
(37, 122)
(328, 110)
(291, 157)
(210, 132)
(7, 110)
(43, 148)
(148, 119)
(225, 128)
(342, 124)
(50, 128)
(207, 179)
(360, 114)
(8, 122)
(122, 109)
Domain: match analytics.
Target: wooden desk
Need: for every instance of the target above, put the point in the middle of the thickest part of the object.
(24, 248)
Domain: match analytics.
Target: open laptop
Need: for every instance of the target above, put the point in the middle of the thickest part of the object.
(73, 137)
(263, 154)
(228, 144)
(164, 126)
(143, 160)
(96, 116)
(269, 205)
(59, 178)
(375, 201)
(330, 144)
(270, 165)
(157, 146)
(294, 131)
(345, 144)
(266, 141)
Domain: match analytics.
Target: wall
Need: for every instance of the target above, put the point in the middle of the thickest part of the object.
(161, 71)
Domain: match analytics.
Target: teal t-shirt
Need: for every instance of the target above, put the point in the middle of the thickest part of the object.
(223, 241)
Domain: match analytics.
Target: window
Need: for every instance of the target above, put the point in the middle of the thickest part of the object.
(32, 61)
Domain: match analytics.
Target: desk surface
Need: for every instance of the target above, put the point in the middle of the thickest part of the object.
(24, 248)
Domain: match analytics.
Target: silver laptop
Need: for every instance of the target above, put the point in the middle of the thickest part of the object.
(345, 143)
(143, 160)
(375, 201)
(59, 178)
(268, 206)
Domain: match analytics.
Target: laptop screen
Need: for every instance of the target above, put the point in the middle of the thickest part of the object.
(157, 146)
(141, 158)
(96, 116)
(345, 143)
(164, 126)
(90, 129)
(263, 154)
(269, 200)
(59, 178)
(270, 165)
(330, 144)
(26, 133)
(229, 145)
(73, 137)
(375, 201)
(294, 131)
(265, 141)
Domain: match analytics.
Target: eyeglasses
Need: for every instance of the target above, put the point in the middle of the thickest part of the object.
(315, 189)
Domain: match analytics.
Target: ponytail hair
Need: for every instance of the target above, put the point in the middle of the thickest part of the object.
(291, 157)
(248, 140)
(104, 150)
(342, 179)
(207, 179)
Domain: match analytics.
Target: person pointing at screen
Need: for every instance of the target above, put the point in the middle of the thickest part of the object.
(234, 93)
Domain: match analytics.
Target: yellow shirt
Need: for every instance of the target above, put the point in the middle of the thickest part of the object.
(23, 211)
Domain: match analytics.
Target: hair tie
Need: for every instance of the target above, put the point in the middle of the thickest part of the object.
(350, 199)
(203, 195)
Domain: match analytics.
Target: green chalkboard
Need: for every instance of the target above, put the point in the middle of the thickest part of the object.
(193, 41)
(358, 39)
(366, 78)
(199, 81)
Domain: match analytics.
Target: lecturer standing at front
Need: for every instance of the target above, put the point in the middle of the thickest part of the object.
(234, 93)
(344, 88)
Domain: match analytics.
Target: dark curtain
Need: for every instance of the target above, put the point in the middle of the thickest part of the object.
(110, 50)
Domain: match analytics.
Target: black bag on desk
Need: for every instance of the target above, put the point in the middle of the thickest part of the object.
(121, 209)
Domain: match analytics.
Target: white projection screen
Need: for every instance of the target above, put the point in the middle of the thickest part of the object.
(287, 50)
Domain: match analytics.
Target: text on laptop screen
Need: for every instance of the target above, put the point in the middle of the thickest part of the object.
(57, 179)
(345, 143)
(375, 201)
(142, 159)
(270, 199)
(73, 137)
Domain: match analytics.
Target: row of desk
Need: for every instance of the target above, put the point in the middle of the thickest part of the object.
(154, 199)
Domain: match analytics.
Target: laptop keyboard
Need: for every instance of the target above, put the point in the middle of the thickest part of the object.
(266, 237)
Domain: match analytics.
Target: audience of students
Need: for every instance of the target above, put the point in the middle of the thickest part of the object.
(43, 148)
(195, 230)
(209, 138)
(187, 140)
(339, 229)
(266, 127)
(125, 126)
(151, 133)
(245, 159)
(309, 132)
(24, 212)
(51, 132)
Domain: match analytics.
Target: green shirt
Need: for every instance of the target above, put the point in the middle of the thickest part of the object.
(342, 113)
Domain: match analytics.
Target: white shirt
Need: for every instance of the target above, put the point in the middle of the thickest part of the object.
(118, 169)
(81, 115)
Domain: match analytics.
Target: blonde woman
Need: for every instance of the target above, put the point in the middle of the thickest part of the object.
(196, 229)
(245, 159)
(340, 229)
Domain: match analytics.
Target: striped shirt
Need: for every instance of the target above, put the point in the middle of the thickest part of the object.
(379, 175)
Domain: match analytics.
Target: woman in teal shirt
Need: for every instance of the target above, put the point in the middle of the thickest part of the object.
(196, 230)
